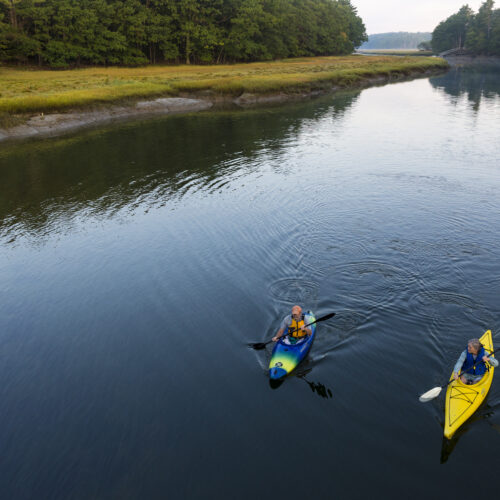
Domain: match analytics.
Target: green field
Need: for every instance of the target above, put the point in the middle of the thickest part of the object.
(25, 91)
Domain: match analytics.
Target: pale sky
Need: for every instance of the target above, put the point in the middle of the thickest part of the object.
(382, 16)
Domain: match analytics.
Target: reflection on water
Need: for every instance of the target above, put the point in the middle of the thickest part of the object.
(276, 383)
(484, 412)
(44, 186)
(316, 387)
(477, 84)
(300, 373)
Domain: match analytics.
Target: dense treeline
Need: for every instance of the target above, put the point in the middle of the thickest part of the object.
(478, 33)
(62, 33)
(400, 40)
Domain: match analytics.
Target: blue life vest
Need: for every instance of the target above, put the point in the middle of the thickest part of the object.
(480, 368)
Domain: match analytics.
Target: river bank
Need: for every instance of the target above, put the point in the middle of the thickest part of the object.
(37, 104)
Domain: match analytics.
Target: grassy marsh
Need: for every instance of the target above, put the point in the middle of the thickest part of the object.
(34, 91)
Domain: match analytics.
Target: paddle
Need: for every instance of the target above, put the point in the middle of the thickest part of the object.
(261, 345)
(436, 391)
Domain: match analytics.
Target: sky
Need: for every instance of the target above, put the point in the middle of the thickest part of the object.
(382, 16)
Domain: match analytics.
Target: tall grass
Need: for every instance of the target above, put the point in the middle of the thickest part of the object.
(28, 91)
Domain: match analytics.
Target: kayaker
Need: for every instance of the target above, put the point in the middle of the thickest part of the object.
(474, 354)
(293, 325)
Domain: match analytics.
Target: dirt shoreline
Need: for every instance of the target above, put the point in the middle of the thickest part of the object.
(56, 124)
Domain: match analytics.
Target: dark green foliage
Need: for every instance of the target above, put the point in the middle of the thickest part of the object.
(483, 35)
(63, 33)
(478, 33)
(451, 33)
(399, 40)
(425, 45)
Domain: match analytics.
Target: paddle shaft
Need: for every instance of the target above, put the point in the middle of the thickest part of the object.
(328, 316)
(261, 345)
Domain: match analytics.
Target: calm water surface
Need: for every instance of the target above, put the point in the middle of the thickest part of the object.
(136, 264)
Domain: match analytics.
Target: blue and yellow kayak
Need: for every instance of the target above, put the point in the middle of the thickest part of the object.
(286, 357)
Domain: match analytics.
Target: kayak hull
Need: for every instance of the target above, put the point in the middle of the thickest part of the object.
(285, 358)
(463, 400)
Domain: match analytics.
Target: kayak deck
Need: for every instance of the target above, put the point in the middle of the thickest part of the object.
(463, 400)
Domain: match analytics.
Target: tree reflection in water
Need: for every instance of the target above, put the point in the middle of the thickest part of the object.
(477, 83)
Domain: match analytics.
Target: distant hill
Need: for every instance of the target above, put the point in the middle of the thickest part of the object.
(400, 40)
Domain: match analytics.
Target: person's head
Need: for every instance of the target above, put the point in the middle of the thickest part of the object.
(296, 312)
(474, 346)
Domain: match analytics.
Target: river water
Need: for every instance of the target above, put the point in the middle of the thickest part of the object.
(137, 262)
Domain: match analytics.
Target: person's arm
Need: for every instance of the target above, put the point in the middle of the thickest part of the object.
(287, 321)
(278, 335)
(491, 360)
(459, 364)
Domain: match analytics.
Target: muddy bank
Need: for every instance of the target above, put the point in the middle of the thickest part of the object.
(59, 123)
(53, 124)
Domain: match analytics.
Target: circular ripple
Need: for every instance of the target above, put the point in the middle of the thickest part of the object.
(346, 321)
(441, 297)
(371, 283)
(430, 304)
(294, 291)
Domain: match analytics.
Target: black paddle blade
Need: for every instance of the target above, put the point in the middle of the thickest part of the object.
(324, 318)
(258, 345)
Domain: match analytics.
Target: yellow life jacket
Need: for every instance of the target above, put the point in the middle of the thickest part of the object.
(294, 329)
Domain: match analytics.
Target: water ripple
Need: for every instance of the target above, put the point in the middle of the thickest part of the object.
(294, 291)
(372, 283)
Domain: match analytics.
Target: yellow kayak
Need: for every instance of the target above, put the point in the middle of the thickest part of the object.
(463, 400)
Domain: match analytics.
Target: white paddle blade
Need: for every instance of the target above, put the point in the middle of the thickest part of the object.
(433, 393)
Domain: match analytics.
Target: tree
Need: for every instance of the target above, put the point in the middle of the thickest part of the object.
(197, 28)
(480, 31)
(356, 28)
(451, 33)
(11, 6)
(424, 46)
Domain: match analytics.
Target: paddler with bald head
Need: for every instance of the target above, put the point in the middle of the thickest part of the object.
(293, 326)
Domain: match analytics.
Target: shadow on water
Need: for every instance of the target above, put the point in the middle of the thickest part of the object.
(485, 411)
(152, 163)
(317, 387)
(474, 82)
(275, 384)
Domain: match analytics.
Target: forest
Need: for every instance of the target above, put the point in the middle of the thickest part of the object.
(73, 33)
(477, 33)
